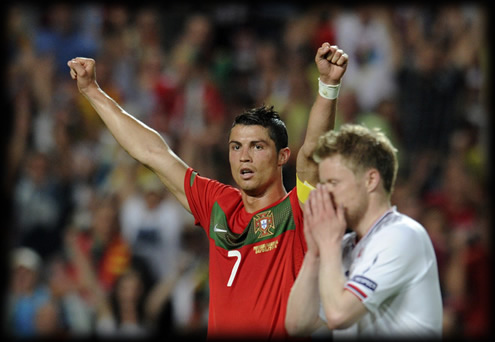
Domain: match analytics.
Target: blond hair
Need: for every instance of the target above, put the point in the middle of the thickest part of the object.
(362, 149)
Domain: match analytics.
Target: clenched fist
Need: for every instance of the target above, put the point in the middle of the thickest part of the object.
(83, 70)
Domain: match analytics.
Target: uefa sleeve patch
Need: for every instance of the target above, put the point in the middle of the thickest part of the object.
(370, 284)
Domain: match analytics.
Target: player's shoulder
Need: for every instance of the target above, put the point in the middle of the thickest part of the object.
(206, 184)
(399, 227)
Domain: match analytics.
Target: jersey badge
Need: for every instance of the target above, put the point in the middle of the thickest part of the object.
(264, 224)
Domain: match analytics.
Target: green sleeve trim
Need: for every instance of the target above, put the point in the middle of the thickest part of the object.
(193, 176)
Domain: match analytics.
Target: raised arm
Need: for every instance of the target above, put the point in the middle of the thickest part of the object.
(140, 141)
(332, 63)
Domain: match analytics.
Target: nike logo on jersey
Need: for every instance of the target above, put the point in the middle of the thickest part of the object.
(219, 230)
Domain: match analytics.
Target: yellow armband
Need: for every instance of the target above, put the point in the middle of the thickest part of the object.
(303, 189)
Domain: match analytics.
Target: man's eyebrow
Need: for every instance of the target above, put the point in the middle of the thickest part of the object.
(253, 142)
(259, 141)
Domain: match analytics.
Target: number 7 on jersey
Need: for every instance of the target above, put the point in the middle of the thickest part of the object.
(236, 254)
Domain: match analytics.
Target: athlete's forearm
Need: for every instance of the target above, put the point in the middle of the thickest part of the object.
(141, 142)
(134, 136)
(321, 119)
(342, 308)
(303, 305)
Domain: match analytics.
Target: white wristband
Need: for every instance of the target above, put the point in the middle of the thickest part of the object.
(328, 91)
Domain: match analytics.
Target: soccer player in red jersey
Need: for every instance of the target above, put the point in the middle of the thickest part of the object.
(255, 230)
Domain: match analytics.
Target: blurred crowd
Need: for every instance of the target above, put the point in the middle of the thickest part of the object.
(96, 246)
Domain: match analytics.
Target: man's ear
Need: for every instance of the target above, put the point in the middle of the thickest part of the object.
(283, 156)
(373, 179)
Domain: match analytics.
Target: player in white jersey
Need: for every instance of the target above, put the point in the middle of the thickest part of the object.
(399, 303)
(381, 279)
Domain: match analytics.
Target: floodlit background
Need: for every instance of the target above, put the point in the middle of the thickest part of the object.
(96, 247)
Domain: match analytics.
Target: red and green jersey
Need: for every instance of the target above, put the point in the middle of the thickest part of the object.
(254, 258)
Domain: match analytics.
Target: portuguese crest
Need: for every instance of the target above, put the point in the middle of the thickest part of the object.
(264, 224)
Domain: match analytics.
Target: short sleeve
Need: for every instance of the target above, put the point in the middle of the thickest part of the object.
(384, 266)
(202, 193)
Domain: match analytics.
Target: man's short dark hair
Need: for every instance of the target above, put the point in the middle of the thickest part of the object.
(267, 117)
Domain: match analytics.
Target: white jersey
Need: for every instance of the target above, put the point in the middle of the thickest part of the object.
(393, 271)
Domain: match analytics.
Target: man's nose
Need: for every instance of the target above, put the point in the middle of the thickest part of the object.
(245, 155)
